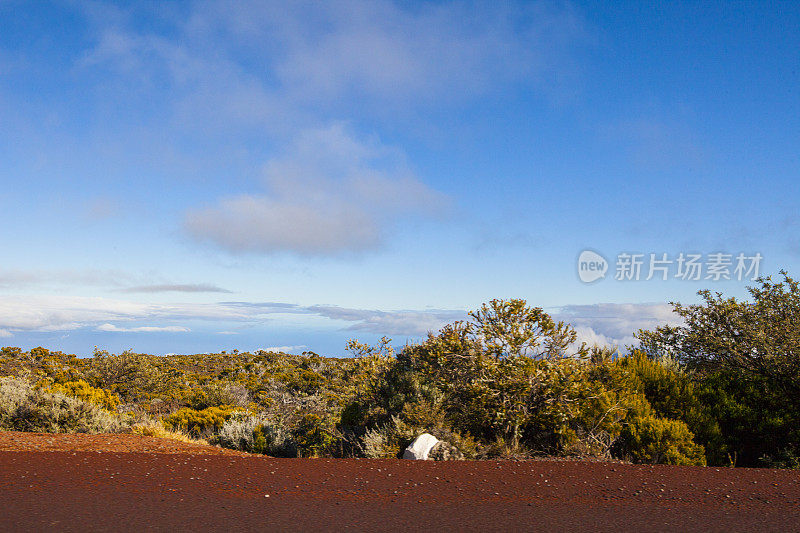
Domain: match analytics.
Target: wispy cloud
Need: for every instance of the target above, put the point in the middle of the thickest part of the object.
(102, 208)
(332, 190)
(143, 329)
(382, 50)
(330, 193)
(403, 322)
(412, 323)
(62, 313)
(18, 278)
(103, 278)
(656, 143)
(276, 307)
(177, 287)
(499, 239)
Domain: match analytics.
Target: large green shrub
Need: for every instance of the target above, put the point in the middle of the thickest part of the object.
(745, 356)
(134, 377)
(256, 434)
(82, 390)
(679, 395)
(314, 436)
(27, 407)
(199, 424)
(510, 379)
(649, 439)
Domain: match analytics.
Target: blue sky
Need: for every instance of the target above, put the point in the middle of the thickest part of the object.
(200, 176)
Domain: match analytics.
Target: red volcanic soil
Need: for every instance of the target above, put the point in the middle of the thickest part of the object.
(128, 483)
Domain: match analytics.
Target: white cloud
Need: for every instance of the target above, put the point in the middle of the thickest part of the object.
(50, 313)
(177, 287)
(614, 324)
(404, 322)
(61, 313)
(587, 335)
(143, 329)
(285, 349)
(329, 193)
(265, 72)
(380, 49)
(605, 324)
(257, 223)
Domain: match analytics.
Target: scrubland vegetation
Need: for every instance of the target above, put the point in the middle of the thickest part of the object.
(722, 389)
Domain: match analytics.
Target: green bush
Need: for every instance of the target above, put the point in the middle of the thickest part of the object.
(746, 357)
(134, 377)
(199, 424)
(237, 432)
(654, 440)
(26, 407)
(256, 434)
(676, 394)
(219, 393)
(314, 436)
(82, 390)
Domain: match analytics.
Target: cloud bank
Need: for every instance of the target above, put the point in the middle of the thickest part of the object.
(603, 324)
(608, 324)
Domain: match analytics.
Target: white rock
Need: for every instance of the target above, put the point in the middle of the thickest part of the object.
(421, 447)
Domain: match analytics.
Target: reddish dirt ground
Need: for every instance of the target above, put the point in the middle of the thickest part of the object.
(127, 483)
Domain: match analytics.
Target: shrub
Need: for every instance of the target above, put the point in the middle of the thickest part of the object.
(273, 439)
(673, 393)
(203, 423)
(313, 435)
(377, 444)
(133, 376)
(654, 440)
(237, 432)
(388, 440)
(758, 427)
(26, 407)
(82, 390)
(747, 356)
(391, 439)
(444, 451)
(509, 382)
(217, 394)
(256, 434)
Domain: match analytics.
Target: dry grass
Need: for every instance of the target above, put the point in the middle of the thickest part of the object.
(156, 429)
